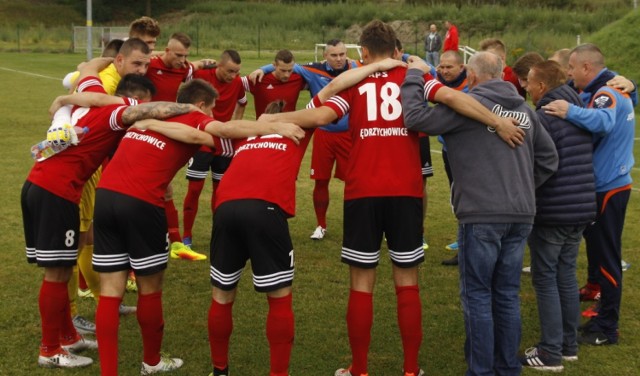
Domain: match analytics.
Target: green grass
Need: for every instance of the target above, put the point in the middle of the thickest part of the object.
(320, 288)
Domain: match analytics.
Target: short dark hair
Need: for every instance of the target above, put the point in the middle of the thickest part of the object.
(379, 38)
(525, 62)
(550, 73)
(232, 55)
(334, 42)
(285, 56)
(182, 38)
(197, 90)
(135, 85)
(144, 26)
(112, 48)
(134, 44)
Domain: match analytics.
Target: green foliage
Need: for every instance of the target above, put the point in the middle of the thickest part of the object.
(620, 44)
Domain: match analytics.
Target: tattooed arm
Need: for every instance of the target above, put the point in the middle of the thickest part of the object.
(155, 110)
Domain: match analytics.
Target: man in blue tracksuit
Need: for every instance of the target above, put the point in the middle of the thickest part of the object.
(610, 119)
(331, 143)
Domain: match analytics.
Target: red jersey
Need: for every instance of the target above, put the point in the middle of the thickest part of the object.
(272, 89)
(167, 80)
(146, 161)
(229, 94)
(385, 155)
(274, 162)
(510, 76)
(65, 173)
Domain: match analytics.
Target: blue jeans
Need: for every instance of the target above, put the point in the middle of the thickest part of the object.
(490, 261)
(433, 58)
(554, 252)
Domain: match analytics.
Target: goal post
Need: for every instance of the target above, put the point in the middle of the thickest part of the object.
(100, 36)
(322, 46)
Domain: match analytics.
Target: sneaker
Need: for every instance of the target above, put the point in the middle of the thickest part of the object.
(86, 293)
(318, 233)
(64, 359)
(217, 372)
(420, 373)
(451, 262)
(166, 364)
(590, 291)
(80, 345)
(347, 372)
(132, 286)
(625, 265)
(569, 357)
(526, 269)
(180, 251)
(596, 339)
(83, 326)
(592, 311)
(452, 247)
(125, 310)
(187, 241)
(425, 245)
(538, 359)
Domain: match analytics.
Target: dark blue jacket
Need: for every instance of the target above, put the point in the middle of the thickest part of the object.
(568, 197)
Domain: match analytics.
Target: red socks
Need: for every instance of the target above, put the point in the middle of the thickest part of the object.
(220, 327)
(280, 332)
(53, 302)
(321, 201)
(151, 323)
(107, 323)
(359, 322)
(173, 223)
(190, 206)
(410, 323)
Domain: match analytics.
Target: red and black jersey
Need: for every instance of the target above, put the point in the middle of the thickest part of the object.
(385, 156)
(271, 89)
(146, 161)
(65, 173)
(229, 94)
(167, 80)
(264, 168)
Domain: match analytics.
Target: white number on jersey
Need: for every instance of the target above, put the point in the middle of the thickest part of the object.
(390, 108)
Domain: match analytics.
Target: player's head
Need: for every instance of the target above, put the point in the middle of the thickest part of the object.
(335, 53)
(147, 29)
(397, 54)
(447, 24)
(228, 66)
(496, 46)
(378, 40)
(136, 86)
(199, 93)
(283, 65)
(562, 57)
(451, 65)
(275, 107)
(433, 28)
(523, 64)
(112, 48)
(177, 51)
(585, 62)
(543, 77)
(483, 66)
(133, 57)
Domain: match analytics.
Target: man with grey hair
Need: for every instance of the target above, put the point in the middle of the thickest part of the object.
(432, 46)
(610, 118)
(493, 196)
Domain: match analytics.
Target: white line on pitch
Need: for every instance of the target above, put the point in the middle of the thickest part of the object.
(31, 74)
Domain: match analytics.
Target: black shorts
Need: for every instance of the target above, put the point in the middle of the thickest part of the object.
(253, 230)
(425, 157)
(51, 227)
(366, 220)
(128, 234)
(202, 162)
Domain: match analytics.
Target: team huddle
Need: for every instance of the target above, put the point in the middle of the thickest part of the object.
(105, 203)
